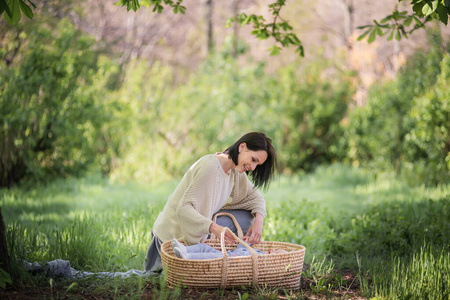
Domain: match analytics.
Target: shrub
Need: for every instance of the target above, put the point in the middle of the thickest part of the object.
(51, 109)
(404, 124)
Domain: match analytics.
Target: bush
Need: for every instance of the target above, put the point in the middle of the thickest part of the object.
(220, 102)
(404, 124)
(314, 101)
(429, 140)
(51, 107)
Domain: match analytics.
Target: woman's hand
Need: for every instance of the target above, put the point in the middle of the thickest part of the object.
(255, 230)
(217, 230)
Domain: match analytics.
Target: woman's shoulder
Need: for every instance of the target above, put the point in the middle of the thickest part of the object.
(206, 163)
(209, 159)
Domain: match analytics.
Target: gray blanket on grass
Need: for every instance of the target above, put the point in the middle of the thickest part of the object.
(62, 268)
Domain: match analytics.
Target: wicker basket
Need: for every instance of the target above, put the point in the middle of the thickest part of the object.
(275, 270)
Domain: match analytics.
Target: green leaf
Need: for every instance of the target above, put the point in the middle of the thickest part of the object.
(295, 38)
(246, 20)
(256, 32)
(372, 36)
(434, 15)
(229, 21)
(120, 3)
(391, 36)
(419, 23)
(386, 19)
(408, 21)
(443, 14)
(26, 9)
(32, 4)
(417, 8)
(362, 36)
(136, 5)
(398, 35)
(262, 34)
(15, 13)
(274, 50)
(376, 23)
(287, 41)
(285, 26)
(379, 31)
(300, 50)
(430, 7)
(402, 30)
(5, 7)
(125, 2)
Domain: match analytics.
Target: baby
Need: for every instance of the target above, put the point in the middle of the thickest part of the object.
(204, 251)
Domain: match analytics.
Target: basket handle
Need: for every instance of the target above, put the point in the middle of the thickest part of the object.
(235, 222)
(225, 257)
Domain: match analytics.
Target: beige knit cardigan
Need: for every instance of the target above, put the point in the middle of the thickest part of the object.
(204, 190)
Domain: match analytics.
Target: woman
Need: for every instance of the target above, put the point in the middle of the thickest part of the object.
(214, 182)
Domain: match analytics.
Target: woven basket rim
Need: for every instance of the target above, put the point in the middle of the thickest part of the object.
(302, 249)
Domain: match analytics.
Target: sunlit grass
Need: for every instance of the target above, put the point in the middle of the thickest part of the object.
(424, 275)
(345, 190)
(96, 225)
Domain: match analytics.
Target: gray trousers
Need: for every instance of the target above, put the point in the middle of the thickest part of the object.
(152, 263)
(243, 217)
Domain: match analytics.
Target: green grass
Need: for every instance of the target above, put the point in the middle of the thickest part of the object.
(423, 275)
(345, 190)
(394, 235)
(95, 224)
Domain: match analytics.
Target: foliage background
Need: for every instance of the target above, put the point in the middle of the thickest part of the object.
(68, 107)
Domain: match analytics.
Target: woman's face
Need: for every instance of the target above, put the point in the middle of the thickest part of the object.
(248, 159)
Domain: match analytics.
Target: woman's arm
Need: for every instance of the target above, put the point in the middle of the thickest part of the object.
(197, 201)
(246, 196)
(254, 233)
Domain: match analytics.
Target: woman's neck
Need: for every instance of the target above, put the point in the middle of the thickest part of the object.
(226, 163)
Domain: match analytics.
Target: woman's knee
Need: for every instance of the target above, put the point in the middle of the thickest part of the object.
(243, 217)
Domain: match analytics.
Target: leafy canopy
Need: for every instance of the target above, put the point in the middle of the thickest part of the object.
(401, 23)
(398, 24)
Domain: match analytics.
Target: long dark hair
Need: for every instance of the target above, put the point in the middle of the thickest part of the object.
(263, 174)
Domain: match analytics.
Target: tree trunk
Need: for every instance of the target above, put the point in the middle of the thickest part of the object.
(4, 256)
(235, 28)
(349, 20)
(209, 27)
